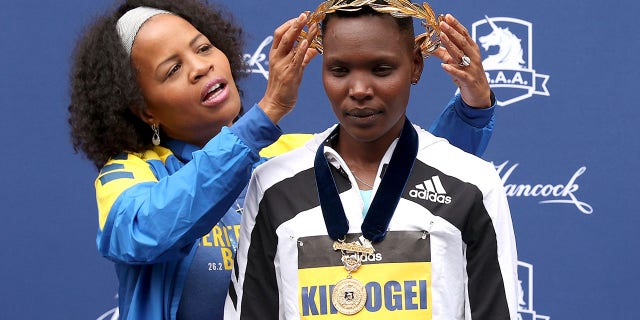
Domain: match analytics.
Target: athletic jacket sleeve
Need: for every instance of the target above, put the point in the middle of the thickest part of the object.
(259, 241)
(491, 257)
(465, 127)
(146, 220)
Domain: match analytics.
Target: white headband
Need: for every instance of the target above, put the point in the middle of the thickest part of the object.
(129, 24)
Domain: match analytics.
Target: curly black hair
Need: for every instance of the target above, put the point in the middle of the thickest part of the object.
(103, 80)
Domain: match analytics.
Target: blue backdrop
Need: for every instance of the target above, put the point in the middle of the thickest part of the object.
(565, 145)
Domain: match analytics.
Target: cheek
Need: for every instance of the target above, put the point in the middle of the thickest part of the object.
(235, 92)
(335, 89)
(396, 97)
(392, 89)
(165, 102)
(169, 103)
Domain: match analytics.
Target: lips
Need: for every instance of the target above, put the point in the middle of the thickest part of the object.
(362, 113)
(214, 92)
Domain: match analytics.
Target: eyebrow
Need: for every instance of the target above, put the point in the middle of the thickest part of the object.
(172, 57)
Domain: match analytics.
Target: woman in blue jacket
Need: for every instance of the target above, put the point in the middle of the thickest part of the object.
(155, 106)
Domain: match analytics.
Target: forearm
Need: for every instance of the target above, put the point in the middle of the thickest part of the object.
(158, 220)
(467, 128)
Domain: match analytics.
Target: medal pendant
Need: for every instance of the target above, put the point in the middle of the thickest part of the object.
(351, 262)
(349, 296)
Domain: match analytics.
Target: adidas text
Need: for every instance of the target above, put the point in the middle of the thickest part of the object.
(431, 196)
(377, 256)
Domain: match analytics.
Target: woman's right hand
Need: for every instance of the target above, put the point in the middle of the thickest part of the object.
(286, 66)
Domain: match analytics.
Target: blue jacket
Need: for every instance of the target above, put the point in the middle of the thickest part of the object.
(157, 208)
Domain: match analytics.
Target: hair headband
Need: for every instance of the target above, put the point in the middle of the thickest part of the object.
(129, 24)
(428, 41)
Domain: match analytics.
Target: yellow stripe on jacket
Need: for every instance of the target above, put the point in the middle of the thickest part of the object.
(287, 142)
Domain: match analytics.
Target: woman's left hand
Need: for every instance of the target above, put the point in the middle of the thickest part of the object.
(287, 60)
(471, 79)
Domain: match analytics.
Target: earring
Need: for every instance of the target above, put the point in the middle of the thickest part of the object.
(414, 82)
(155, 139)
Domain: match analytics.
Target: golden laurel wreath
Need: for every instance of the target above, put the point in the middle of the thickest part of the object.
(428, 41)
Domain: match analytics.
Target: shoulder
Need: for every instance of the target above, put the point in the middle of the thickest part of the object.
(283, 166)
(292, 162)
(121, 173)
(453, 161)
(130, 168)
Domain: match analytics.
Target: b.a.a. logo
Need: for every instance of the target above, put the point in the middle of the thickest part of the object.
(508, 58)
(525, 294)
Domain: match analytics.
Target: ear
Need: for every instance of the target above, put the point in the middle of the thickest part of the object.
(144, 114)
(418, 64)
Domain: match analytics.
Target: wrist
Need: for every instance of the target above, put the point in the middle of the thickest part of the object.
(274, 111)
(481, 103)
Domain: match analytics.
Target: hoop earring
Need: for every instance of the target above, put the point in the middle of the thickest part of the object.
(155, 139)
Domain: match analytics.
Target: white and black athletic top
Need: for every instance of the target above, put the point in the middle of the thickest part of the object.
(449, 253)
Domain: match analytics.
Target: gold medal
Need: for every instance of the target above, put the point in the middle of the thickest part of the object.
(349, 296)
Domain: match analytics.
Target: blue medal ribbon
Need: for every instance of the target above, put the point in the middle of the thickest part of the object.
(386, 199)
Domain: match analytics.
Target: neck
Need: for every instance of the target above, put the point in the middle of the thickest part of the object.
(365, 154)
(363, 158)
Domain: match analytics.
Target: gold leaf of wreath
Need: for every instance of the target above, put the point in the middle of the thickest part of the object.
(428, 41)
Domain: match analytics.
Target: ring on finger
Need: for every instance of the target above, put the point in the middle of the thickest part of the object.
(465, 61)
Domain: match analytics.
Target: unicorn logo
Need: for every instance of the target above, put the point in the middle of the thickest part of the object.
(509, 55)
(508, 61)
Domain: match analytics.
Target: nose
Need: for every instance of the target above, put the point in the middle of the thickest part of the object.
(200, 66)
(360, 88)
